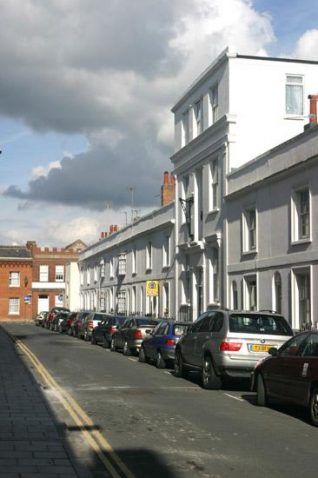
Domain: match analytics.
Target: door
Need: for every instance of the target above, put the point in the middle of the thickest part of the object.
(43, 303)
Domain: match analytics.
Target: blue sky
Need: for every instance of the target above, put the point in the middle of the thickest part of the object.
(85, 112)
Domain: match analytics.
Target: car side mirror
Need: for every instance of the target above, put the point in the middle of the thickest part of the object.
(273, 351)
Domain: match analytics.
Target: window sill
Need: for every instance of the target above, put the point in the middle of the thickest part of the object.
(13, 285)
(213, 211)
(251, 252)
(299, 242)
(294, 117)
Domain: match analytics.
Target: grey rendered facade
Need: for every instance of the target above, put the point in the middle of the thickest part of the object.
(115, 272)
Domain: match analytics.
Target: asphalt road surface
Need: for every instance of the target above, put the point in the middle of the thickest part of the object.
(162, 426)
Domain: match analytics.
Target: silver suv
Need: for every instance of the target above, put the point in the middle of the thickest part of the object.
(227, 344)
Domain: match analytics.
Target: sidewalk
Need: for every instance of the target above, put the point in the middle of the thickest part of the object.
(31, 445)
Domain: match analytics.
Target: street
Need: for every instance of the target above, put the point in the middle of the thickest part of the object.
(162, 426)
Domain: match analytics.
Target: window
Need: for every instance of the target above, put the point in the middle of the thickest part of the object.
(149, 256)
(133, 300)
(14, 279)
(294, 95)
(234, 295)
(214, 186)
(121, 302)
(59, 273)
(214, 278)
(250, 293)
(102, 268)
(301, 215)
(165, 300)
(185, 128)
(44, 273)
(111, 267)
(122, 264)
(303, 282)
(166, 252)
(133, 261)
(198, 117)
(214, 104)
(249, 230)
(14, 306)
(277, 293)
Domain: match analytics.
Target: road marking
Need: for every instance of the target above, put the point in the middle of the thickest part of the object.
(235, 398)
(133, 359)
(96, 440)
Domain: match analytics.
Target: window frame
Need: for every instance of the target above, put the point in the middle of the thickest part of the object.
(14, 282)
(14, 308)
(296, 236)
(59, 274)
(44, 273)
(247, 247)
(289, 86)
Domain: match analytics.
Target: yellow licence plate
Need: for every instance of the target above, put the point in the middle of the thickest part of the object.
(260, 348)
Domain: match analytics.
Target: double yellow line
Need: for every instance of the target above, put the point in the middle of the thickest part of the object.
(98, 443)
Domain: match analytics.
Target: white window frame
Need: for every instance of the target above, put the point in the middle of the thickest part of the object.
(14, 279)
(247, 247)
(290, 86)
(102, 268)
(149, 256)
(296, 236)
(44, 273)
(134, 261)
(59, 273)
(247, 282)
(14, 306)
(166, 251)
(111, 268)
(185, 128)
(275, 301)
(198, 117)
(214, 195)
(214, 104)
(214, 276)
(122, 264)
(295, 295)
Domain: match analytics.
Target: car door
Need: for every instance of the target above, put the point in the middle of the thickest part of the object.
(121, 334)
(150, 342)
(203, 334)
(280, 371)
(188, 341)
(306, 371)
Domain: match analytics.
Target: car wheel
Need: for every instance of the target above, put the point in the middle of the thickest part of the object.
(93, 340)
(112, 345)
(126, 349)
(313, 407)
(179, 369)
(142, 355)
(105, 343)
(160, 361)
(261, 397)
(86, 336)
(210, 380)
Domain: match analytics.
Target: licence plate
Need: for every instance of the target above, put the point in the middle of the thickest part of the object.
(260, 348)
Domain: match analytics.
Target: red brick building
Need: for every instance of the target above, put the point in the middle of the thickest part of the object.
(15, 283)
(48, 276)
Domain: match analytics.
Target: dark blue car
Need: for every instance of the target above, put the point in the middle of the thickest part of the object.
(159, 347)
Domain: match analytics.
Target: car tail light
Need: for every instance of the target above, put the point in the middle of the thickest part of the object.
(112, 329)
(90, 325)
(170, 342)
(230, 346)
(137, 334)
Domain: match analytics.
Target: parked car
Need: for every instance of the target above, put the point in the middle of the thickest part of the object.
(159, 347)
(129, 337)
(57, 320)
(90, 322)
(106, 328)
(225, 344)
(40, 318)
(290, 374)
(65, 325)
(77, 324)
(50, 316)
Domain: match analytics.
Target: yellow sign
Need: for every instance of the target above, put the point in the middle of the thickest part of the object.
(152, 288)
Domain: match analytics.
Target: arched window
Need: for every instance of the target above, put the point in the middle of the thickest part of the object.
(277, 293)
(234, 295)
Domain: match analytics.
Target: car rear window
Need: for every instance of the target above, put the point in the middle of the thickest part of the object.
(146, 322)
(259, 324)
(119, 320)
(179, 330)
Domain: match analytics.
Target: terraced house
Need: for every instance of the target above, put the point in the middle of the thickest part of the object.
(242, 230)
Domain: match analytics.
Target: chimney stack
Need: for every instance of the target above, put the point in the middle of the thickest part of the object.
(313, 110)
(167, 189)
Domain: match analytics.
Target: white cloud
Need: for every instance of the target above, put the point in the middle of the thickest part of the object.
(39, 171)
(307, 45)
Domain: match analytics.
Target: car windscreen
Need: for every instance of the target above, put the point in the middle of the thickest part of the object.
(119, 320)
(179, 330)
(259, 324)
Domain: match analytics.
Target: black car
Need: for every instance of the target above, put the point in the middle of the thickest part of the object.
(290, 374)
(106, 328)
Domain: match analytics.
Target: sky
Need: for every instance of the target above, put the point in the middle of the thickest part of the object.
(86, 91)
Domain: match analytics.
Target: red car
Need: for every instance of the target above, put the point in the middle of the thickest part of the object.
(50, 316)
(290, 374)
